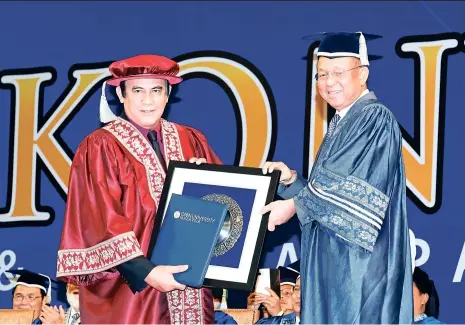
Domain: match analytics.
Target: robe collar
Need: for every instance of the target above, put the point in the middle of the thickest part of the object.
(344, 111)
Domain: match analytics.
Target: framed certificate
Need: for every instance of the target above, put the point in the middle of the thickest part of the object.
(245, 191)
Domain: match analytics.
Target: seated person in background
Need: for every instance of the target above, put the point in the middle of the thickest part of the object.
(220, 302)
(275, 305)
(31, 291)
(288, 278)
(58, 316)
(72, 314)
(425, 299)
(290, 318)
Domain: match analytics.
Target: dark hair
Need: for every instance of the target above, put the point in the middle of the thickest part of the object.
(425, 285)
(122, 85)
(217, 293)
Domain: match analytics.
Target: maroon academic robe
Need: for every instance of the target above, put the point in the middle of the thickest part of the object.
(115, 185)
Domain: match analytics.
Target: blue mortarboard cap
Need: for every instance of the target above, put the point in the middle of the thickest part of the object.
(289, 274)
(343, 44)
(35, 280)
(294, 266)
(217, 293)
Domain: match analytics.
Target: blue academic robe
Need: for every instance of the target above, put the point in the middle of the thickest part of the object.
(284, 319)
(423, 319)
(355, 256)
(223, 318)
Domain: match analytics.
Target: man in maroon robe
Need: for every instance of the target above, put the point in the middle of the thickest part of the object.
(116, 180)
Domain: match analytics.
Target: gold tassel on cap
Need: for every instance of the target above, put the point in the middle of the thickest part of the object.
(106, 114)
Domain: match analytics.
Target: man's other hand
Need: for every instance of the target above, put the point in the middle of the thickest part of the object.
(52, 315)
(162, 279)
(280, 212)
(287, 176)
(197, 161)
(272, 302)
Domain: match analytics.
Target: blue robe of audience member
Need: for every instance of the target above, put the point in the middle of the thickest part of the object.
(223, 318)
(284, 319)
(424, 319)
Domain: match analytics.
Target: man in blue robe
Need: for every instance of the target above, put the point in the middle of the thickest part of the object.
(32, 291)
(355, 258)
(425, 299)
(290, 318)
(220, 297)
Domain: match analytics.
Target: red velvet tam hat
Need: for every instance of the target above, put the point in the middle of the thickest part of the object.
(137, 67)
(143, 67)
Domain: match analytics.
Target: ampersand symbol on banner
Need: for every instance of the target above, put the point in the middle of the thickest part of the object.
(4, 267)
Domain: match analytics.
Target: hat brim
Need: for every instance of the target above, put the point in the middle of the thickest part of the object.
(172, 80)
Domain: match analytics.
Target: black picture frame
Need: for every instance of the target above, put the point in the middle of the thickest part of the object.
(242, 277)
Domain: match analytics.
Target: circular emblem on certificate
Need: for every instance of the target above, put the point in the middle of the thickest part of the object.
(233, 223)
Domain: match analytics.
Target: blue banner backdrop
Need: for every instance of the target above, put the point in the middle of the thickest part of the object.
(249, 88)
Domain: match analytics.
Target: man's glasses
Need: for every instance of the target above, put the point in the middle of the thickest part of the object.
(335, 74)
(29, 298)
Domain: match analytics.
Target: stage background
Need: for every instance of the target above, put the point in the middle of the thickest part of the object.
(269, 113)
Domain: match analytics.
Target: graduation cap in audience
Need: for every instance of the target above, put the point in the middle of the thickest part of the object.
(344, 44)
(35, 280)
(294, 266)
(289, 274)
(217, 293)
(222, 295)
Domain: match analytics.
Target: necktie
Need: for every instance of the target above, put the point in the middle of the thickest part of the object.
(153, 139)
(332, 125)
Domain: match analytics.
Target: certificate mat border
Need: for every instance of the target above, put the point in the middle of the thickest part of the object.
(271, 192)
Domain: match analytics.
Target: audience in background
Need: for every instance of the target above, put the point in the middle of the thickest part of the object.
(425, 299)
(32, 291)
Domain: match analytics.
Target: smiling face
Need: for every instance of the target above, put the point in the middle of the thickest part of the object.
(144, 100)
(25, 297)
(341, 80)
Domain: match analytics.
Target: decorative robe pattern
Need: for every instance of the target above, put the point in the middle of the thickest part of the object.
(355, 257)
(115, 186)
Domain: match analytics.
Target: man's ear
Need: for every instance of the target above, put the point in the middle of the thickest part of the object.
(120, 94)
(424, 298)
(363, 75)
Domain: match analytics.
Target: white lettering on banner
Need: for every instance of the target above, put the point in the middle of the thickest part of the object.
(4, 267)
(288, 250)
(425, 252)
(460, 266)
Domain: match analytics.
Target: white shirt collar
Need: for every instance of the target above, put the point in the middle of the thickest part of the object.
(344, 111)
